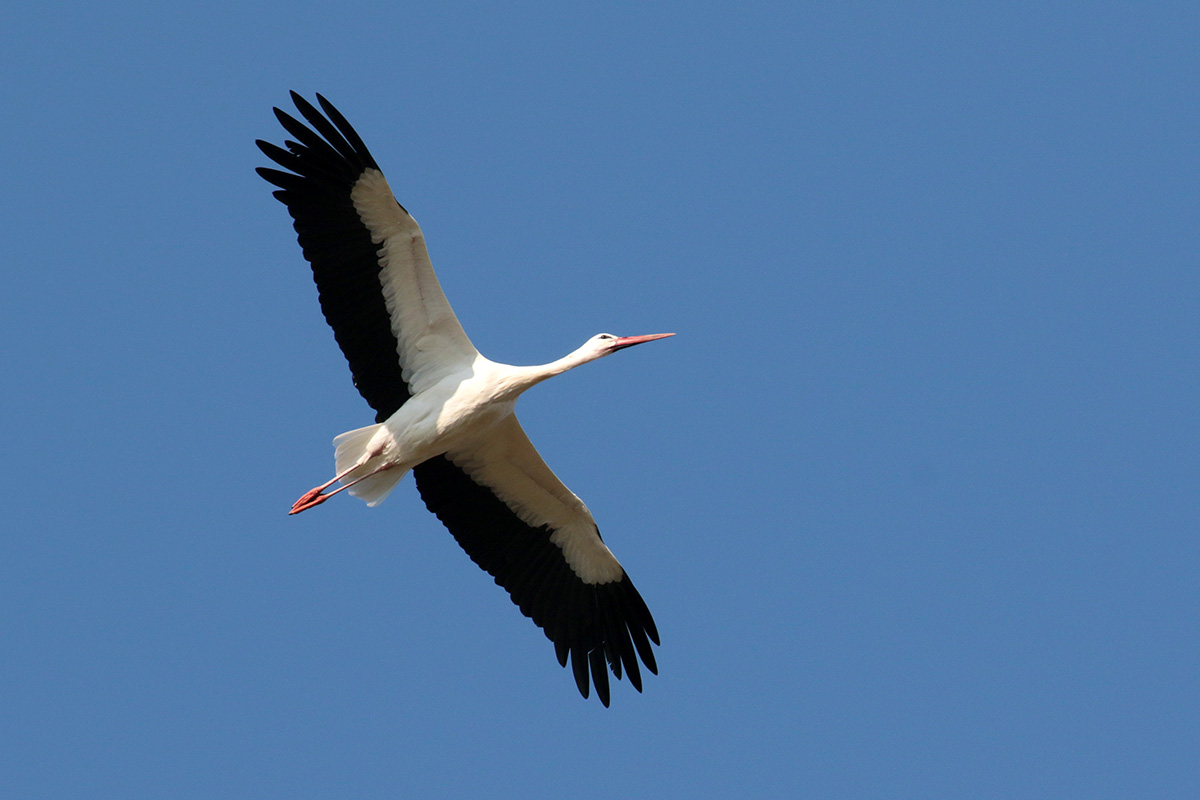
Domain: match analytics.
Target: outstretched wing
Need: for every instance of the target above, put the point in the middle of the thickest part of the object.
(518, 521)
(377, 287)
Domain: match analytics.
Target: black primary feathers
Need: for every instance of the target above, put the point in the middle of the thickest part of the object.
(338, 246)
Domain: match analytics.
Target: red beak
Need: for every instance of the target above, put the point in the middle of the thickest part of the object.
(629, 341)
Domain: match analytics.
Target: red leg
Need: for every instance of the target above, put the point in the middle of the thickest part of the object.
(314, 497)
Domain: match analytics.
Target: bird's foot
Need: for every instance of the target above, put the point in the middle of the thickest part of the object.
(312, 497)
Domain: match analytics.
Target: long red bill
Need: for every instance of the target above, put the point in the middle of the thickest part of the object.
(629, 341)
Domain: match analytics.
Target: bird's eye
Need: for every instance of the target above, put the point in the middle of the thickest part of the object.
(606, 336)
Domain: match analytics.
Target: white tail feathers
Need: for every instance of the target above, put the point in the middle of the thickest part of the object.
(351, 447)
(351, 451)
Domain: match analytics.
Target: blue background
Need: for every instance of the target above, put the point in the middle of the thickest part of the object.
(912, 495)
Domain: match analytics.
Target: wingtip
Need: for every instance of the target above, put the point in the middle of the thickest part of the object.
(599, 675)
(579, 666)
(562, 651)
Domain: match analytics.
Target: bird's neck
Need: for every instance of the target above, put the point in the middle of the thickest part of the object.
(518, 379)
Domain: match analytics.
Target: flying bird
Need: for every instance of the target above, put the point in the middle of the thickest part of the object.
(445, 412)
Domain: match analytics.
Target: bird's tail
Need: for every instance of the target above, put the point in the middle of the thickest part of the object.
(351, 451)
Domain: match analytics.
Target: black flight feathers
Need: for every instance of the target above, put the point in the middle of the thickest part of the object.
(344, 260)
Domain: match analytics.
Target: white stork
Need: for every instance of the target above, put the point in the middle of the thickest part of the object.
(446, 412)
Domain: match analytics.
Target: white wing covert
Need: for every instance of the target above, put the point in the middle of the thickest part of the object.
(509, 465)
(431, 342)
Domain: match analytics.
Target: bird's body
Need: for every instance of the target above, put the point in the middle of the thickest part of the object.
(457, 414)
(445, 411)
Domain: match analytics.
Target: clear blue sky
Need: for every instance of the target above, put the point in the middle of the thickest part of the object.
(913, 494)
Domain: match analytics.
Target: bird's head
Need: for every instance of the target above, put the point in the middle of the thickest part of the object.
(603, 344)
